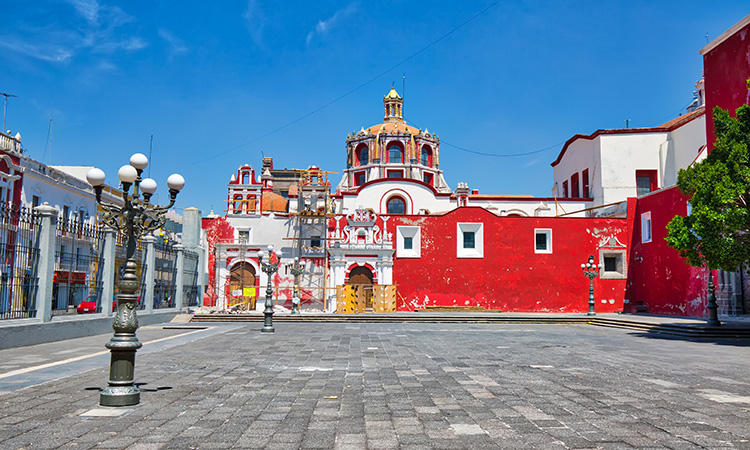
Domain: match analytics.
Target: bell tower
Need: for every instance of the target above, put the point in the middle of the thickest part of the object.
(393, 107)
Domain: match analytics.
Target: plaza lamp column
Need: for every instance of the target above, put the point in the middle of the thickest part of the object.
(296, 270)
(590, 271)
(269, 268)
(137, 217)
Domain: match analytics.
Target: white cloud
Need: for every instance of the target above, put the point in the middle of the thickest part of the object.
(49, 54)
(89, 9)
(324, 26)
(176, 45)
(255, 19)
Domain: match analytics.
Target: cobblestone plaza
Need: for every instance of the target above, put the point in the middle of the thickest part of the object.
(385, 386)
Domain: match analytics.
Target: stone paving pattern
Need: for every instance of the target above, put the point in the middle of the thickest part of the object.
(407, 386)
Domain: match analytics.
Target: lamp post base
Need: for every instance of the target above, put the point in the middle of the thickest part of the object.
(120, 396)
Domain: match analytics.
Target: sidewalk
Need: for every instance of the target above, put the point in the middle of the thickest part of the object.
(390, 385)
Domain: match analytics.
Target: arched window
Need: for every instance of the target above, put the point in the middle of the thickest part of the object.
(426, 156)
(363, 155)
(245, 177)
(396, 205)
(237, 204)
(395, 154)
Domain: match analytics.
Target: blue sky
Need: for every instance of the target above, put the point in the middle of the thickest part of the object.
(222, 85)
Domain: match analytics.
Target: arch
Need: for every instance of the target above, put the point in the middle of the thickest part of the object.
(237, 204)
(395, 153)
(243, 289)
(515, 213)
(358, 267)
(245, 178)
(250, 204)
(409, 202)
(395, 205)
(426, 156)
(362, 155)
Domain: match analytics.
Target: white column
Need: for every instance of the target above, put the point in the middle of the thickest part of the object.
(150, 260)
(108, 271)
(46, 263)
(179, 276)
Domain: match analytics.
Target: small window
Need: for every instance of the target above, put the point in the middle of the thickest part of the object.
(427, 178)
(565, 189)
(574, 192)
(363, 155)
(66, 212)
(35, 201)
(407, 242)
(360, 178)
(395, 174)
(243, 236)
(469, 239)
(542, 241)
(395, 154)
(613, 262)
(426, 155)
(645, 181)
(585, 183)
(646, 227)
(315, 242)
(396, 205)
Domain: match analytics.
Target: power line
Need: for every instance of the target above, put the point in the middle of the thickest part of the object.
(408, 58)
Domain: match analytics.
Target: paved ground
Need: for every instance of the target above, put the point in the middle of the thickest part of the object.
(382, 386)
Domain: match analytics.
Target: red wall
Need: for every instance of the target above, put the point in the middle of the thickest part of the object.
(510, 277)
(658, 277)
(217, 230)
(726, 69)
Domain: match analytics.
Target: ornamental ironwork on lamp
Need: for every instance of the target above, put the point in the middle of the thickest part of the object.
(137, 217)
(269, 268)
(590, 271)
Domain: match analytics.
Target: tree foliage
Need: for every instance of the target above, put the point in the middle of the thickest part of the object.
(717, 231)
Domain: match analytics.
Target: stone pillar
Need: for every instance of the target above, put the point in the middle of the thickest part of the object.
(46, 264)
(150, 260)
(108, 271)
(191, 239)
(179, 277)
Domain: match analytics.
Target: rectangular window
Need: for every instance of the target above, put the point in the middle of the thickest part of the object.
(315, 242)
(360, 178)
(35, 201)
(646, 227)
(408, 242)
(395, 174)
(585, 183)
(469, 239)
(66, 212)
(542, 240)
(614, 264)
(645, 181)
(244, 236)
(574, 192)
(427, 178)
(565, 189)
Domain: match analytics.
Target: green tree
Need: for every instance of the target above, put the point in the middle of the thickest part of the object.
(717, 231)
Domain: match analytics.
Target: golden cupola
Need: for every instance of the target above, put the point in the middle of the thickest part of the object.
(394, 105)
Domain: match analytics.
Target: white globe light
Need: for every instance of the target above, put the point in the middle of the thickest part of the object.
(278, 254)
(176, 182)
(260, 254)
(95, 177)
(139, 161)
(583, 266)
(270, 248)
(127, 174)
(296, 259)
(148, 186)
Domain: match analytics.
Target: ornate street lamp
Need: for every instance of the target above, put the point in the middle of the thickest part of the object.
(137, 217)
(296, 270)
(269, 268)
(712, 306)
(590, 271)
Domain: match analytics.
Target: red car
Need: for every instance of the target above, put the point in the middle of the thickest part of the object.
(88, 305)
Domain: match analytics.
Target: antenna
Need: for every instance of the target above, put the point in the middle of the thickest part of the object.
(5, 107)
(403, 85)
(706, 38)
(627, 123)
(48, 142)
(150, 163)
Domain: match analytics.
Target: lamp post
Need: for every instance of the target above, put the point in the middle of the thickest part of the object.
(590, 271)
(137, 217)
(712, 306)
(296, 270)
(269, 268)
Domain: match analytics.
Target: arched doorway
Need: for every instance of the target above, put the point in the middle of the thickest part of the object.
(242, 289)
(362, 276)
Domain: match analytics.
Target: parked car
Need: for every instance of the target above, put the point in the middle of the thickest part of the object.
(88, 305)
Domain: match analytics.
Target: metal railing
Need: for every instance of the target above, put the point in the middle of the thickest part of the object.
(19, 255)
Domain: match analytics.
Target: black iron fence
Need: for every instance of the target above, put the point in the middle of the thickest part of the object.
(190, 291)
(19, 254)
(165, 275)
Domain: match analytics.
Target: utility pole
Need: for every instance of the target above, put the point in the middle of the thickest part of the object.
(5, 107)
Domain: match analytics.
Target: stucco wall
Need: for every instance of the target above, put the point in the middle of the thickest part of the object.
(510, 276)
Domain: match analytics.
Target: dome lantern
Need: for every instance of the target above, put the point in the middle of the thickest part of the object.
(393, 107)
